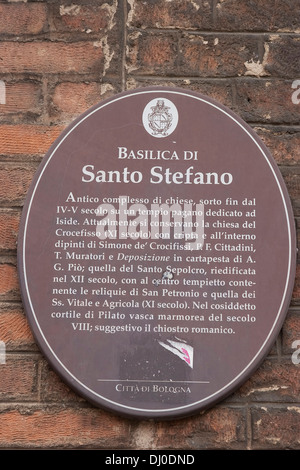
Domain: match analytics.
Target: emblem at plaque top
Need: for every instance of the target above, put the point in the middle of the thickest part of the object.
(160, 117)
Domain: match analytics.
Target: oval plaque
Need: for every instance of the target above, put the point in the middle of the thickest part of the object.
(157, 253)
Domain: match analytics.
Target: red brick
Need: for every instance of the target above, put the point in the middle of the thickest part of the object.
(257, 16)
(220, 90)
(51, 57)
(151, 54)
(216, 55)
(63, 428)
(292, 181)
(9, 227)
(27, 139)
(284, 144)
(9, 286)
(218, 428)
(18, 378)
(14, 329)
(296, 291)
(82, 18)
(23, 18)
(291, 333)
(15, 180)
(176, 14)
(267, 101)
(22, 97)
(276, 427)
(283, 56)
(273, 382)
(72, 99)
(53, 389)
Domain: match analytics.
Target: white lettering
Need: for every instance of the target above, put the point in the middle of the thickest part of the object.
(296, 354)
(159, 175)
(296, 94)
(112, 176)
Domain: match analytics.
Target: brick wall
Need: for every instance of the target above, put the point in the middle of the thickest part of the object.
(58, 58)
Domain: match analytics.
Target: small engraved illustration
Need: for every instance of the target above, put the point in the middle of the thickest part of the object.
(160, 119)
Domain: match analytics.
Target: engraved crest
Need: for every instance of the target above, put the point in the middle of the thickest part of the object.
(160, 119)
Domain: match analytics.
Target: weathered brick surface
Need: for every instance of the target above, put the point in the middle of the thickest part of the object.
(190, 54)
(17, 180)
(9, 227)
(9, 282)
(19, 378)
(22, 97)
(27, 139)
(216, 55)
(51, 57)
(56, 60)
(266, 101)
(54, 426)
(223, 428)
(283, 56)
(23, 18)
(182, 14)
(71, 99)
(53, 389)
(220, 90)
(152, 53)
(283, 143)
(296, 291)
(14, 329)
(292, 181)
(276, 427)
(291, 332)
(273, 382)
(90, 18)
(257, 16)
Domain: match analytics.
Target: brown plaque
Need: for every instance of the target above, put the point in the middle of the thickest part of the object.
(157, 253)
